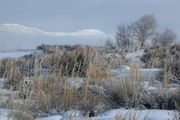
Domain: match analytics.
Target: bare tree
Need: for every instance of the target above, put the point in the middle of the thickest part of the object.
(144, 28)
(165, 38)
(123, 36)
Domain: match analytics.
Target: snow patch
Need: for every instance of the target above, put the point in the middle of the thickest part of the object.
(54, 117)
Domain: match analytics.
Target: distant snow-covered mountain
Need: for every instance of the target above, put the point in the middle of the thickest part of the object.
(15, 28)
(15, 36)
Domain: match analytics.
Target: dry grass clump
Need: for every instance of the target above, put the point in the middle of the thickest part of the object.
(54, 48)
(96, 73)
(17, 115)
(73, 62)
(27, 63)
(166, 58)
(15, 70)
(163, 99)
(159, 56)
(5, 65)
(115, 60)
(99, 70)
(128, 92)
(131, 93)
(13, 77)
(48, 92)
(72, 115)
(55, 91)
(177, 99)
(155, 57)
(39, 95)
(11, 72)
(93, 100)
(175, 71)
(175, 49)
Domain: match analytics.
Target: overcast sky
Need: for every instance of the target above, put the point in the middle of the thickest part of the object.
(76, 15)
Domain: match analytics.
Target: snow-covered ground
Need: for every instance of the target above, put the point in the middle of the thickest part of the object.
(149, 74)
(4, 114)
(134, 57)
(124, 71)
(109, 115)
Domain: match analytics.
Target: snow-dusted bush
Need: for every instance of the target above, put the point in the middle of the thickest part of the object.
(5, 65)
(12, 73)
(54, 90)
(18, 115)
(128, 92)
(74, 62)
(166, 58)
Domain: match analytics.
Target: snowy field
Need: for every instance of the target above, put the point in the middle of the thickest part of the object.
(139, 114)
(109, 115)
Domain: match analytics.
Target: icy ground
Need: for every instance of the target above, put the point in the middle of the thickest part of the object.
(134, 57)
(4, 114)
(110, 115)
(139, 114)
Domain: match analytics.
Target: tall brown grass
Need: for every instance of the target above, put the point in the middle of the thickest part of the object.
(97, 92)
(129, 91)
(53, 90)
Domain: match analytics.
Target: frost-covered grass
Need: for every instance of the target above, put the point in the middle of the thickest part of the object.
(60, 81)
